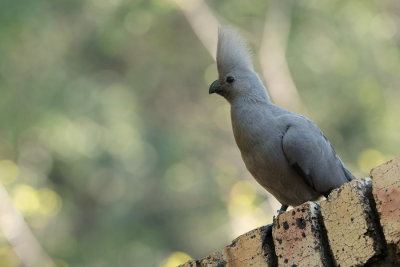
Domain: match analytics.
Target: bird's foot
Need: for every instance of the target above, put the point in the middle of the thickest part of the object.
(282, 209)
(267, 235)
(280, 212)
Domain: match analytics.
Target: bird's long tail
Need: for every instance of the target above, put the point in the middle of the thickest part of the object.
(346, 172)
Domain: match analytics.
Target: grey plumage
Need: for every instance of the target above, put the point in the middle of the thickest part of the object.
(285, 152)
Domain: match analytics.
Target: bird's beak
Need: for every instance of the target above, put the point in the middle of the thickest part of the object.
(214, 87)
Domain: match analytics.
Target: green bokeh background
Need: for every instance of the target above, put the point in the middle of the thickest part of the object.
(115, 154)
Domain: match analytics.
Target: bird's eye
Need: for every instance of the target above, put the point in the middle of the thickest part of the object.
(230, 79)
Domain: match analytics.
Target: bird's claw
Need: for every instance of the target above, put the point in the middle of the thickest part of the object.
(280, 212)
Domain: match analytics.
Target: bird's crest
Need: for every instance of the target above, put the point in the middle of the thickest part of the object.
(232, 51)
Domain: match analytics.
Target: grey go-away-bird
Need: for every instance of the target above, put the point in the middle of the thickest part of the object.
(285, 152)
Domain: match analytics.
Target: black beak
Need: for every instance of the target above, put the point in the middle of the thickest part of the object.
(214, 87)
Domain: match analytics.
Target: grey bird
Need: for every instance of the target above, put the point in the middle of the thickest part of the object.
(285, 152)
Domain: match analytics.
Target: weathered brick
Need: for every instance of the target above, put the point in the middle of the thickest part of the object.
(213, 260)
(386, 191)
(351, 228)
(191, 263)
(247, 250)
(298, 239)
(352, 224)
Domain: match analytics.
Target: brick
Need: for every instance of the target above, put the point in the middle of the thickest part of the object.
(247, 250)
(386, 192)
(348, 221)
(352, 230)
(191, 263)
(298, 238)
(213, 260)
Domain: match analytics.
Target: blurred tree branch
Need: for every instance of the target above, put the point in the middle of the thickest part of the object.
(272, 50)
(202, 21)
(19, 234)
(272, 55)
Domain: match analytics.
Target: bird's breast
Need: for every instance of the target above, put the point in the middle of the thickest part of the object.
(258, 139)
(252, 128)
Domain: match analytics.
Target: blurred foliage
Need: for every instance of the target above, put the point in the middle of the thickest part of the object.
(115, 154)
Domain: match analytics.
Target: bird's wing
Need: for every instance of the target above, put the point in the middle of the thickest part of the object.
(311, 155)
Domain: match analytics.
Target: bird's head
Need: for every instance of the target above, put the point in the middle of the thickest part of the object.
(235, 68)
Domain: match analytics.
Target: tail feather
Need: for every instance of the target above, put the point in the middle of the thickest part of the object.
(348, 174)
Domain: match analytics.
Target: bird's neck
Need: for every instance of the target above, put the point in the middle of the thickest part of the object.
(256, 95)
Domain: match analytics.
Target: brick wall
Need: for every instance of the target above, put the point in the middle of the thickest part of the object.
(357, 225)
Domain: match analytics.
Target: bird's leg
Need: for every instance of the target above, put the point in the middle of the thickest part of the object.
(282, 209)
